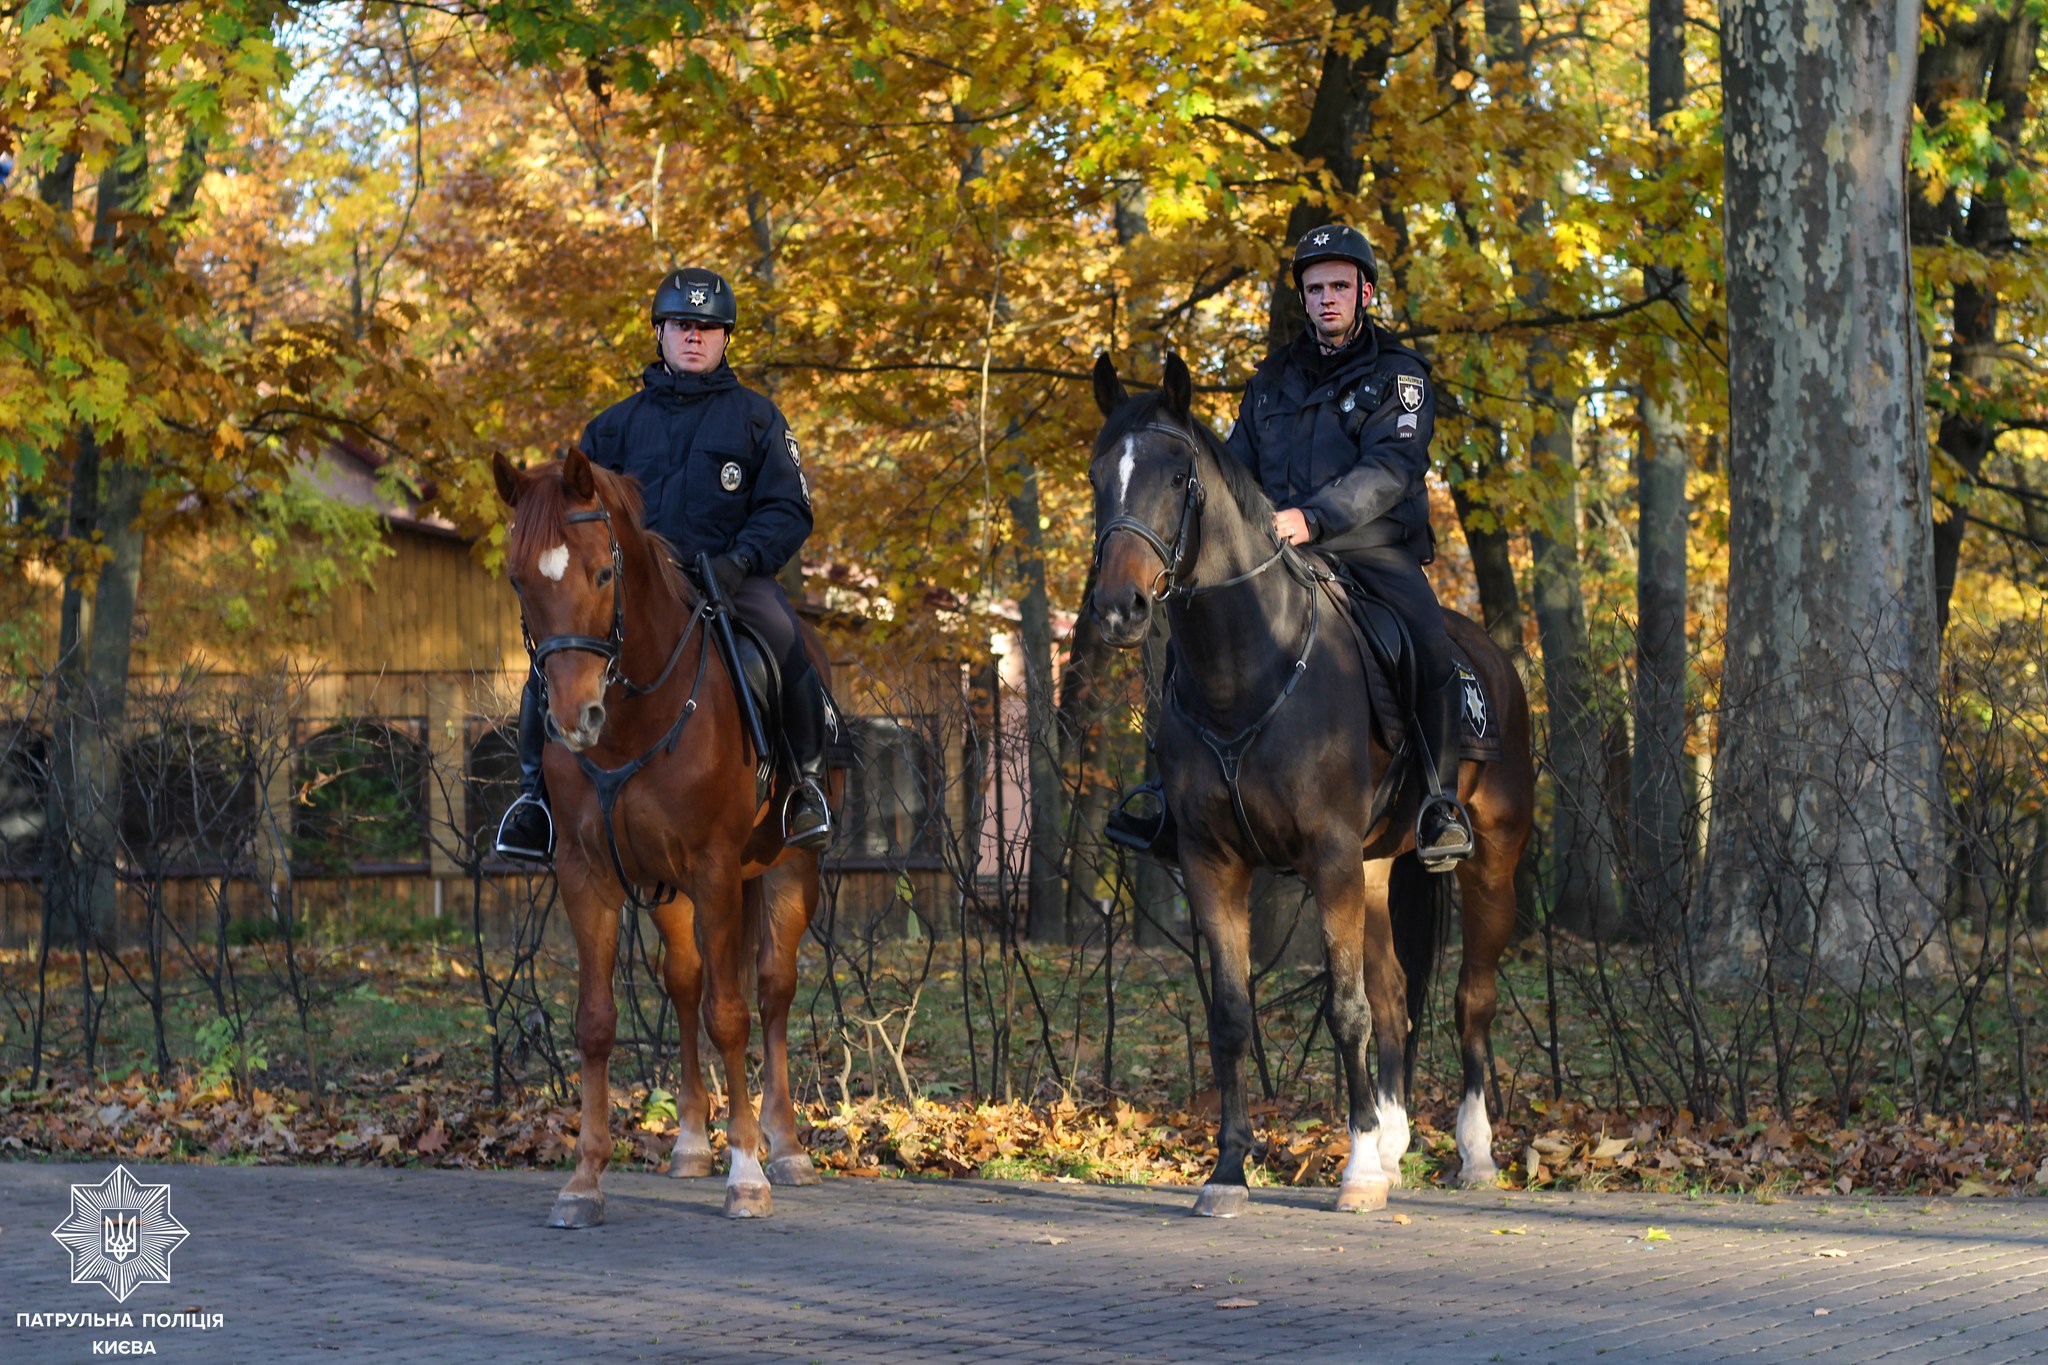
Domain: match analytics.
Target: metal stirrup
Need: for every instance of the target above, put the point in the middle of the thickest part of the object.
(824, 806)
(538, 855)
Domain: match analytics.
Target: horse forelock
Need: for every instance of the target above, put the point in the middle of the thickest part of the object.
(540, 522)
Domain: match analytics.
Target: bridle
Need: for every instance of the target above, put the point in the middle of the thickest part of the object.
(1169, 581)
(610, 647)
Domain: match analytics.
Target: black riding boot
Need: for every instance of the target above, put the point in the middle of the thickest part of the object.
(527, 832)
(807, 819)
(1443, 831)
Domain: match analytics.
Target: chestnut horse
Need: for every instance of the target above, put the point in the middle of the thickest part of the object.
(1267, 676)
(637, 711)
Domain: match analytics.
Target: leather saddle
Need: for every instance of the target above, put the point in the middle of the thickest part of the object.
(762, 673)
(1388, 654)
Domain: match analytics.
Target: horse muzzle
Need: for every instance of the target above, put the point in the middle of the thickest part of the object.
(589, 726)
(1125, 616)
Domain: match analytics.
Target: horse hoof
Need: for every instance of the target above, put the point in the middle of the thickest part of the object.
(1485, 1177)
(577, 1211)
(689, 1165)
(747, 1201)
(792, 1170)
(1364, 1197)
(1222, 1201)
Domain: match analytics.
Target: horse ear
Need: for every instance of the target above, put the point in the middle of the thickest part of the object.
(1109, 390)
(506, 477)
(1179, 386)
(577, 478)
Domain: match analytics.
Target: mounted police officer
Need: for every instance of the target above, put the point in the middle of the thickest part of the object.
(721, 475)
(1336, 426)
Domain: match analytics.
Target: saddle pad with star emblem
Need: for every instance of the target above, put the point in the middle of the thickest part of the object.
(1481, 739)
(1384, 651)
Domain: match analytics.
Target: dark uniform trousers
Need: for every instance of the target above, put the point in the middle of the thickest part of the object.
(765, 608)
(1391, 574)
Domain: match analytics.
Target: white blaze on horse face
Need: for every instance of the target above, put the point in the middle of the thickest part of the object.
(1475, 1139)
(1124, 468)
(554, 563)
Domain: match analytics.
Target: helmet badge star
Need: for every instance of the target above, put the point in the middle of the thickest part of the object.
(1322, 239)
(697, 297)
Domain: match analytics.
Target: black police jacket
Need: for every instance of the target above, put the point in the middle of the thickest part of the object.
(1345, 438)
(717, 466)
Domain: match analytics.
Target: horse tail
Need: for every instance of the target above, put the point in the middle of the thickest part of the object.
(1419, 904)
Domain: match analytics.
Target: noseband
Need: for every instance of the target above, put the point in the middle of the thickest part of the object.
(612, 646)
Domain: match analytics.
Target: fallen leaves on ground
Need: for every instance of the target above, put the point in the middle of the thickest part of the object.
(427, 1113)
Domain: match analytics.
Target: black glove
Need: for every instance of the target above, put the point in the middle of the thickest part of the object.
(730, 571)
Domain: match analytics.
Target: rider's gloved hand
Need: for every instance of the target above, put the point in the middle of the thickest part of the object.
(730, 571)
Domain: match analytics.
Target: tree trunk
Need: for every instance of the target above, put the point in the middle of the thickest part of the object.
(1337, 124)
(1581, 834)
(96, 606)
(1089, 661)
(1991, 57)
(1825, 838)
(1493, 565)
(1657, 860)
(1046, 901)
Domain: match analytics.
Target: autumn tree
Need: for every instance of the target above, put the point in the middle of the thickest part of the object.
(1823, 830)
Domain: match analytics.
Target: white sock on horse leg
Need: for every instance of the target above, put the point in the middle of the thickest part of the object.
(746, 1170)
(1475, 1139)
(1394, 1137)
(1364, 1166)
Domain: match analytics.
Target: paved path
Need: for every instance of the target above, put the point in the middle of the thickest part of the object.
(386, 1266)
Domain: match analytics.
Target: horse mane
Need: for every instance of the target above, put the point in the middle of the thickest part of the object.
(542, 520)
(1242, 484)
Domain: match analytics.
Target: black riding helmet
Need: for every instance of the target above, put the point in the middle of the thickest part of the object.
(1335, 242)
(695, 295)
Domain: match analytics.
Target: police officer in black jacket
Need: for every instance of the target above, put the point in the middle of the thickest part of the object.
(721, 475)
(1337, 428)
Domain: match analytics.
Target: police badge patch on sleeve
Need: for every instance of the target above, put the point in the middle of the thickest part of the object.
(1409, 387)
(796, 458)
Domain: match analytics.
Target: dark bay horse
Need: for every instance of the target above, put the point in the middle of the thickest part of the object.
(1266, 674)
(637, 703)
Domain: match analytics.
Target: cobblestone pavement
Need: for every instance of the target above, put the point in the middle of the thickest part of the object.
(387, 1265)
